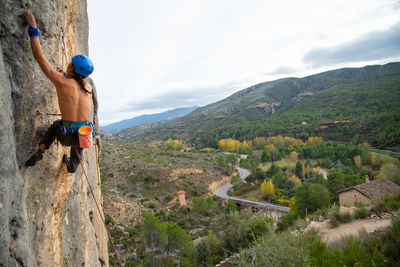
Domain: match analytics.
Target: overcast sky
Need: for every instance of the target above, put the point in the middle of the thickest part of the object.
(155, 55)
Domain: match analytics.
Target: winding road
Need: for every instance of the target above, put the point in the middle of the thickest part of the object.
(222, 193)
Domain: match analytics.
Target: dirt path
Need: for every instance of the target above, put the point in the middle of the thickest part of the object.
(331, 235)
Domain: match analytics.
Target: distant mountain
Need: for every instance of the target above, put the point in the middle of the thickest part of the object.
(159, 117)
(369, 97)
(137, 130)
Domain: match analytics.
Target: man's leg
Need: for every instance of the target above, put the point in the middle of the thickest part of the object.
(46, 142)
(74, 160)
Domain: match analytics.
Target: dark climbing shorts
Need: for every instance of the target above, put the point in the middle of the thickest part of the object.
(58, 131)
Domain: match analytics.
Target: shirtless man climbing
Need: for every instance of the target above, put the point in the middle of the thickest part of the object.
(74, 99)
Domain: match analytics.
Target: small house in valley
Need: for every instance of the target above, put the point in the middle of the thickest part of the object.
(181, 198)
(367, 192)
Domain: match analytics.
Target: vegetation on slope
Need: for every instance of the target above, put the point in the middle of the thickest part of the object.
(307, 249)
(160, 232)
(363, 112)
(366, 99)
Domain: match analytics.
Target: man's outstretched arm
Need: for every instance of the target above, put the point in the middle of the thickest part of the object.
(44, 64)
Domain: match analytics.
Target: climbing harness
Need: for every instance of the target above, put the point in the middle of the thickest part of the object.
(73, 126)
(98, 208)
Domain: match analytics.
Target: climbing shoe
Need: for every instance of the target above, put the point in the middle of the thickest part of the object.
(34, 158)
(66, 159)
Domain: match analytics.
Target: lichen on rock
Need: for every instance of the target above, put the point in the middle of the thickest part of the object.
(48, 216)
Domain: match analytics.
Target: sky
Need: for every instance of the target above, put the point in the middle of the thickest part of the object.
(152, 56)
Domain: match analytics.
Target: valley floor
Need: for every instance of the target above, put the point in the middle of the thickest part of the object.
(331, 235)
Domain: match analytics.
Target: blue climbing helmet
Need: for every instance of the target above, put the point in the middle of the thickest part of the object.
(82, 65)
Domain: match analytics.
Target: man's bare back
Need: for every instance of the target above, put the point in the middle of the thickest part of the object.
(75, 103)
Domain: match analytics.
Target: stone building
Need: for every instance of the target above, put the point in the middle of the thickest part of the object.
(367, 192)
(181, 198)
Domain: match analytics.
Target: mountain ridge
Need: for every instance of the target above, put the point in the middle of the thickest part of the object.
(166, 116)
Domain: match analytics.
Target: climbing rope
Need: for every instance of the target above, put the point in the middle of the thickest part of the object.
(98, 164)
(63, 49)
(98, 208)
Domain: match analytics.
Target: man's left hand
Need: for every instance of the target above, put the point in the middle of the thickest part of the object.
(30, 18)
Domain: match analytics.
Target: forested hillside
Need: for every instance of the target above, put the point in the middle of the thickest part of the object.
(360, 104)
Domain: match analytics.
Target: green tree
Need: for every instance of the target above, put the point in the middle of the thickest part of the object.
(209, 251)
(232, 160)
(308, 168)
(167, 239)
(262, 225)
(211, 205)
(275, 250)
(299, 169)
(233, 229)
(392, 172)
(232, 207)
(339, 180)
(258, 174)
(199, 205)
(310, 197)
(177, 241)
(276, 155)
(251, 162)
(236, 179)
(274, 169)
(281, 180)
(222, 165)
(265, 156)
(154, 235)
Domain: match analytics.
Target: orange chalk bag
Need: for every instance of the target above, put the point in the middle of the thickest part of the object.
(85, 136)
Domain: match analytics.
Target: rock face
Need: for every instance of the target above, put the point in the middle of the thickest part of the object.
(48, 217)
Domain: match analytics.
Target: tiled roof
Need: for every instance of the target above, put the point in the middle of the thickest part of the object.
(375, 189)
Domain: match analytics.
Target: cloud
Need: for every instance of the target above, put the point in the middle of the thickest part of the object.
(372, 46)
(182, 98)
(282, 70)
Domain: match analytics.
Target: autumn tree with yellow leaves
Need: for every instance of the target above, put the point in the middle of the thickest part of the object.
(245, 145)
(259, 142)
(365, 146)
(284, 140)
(232, 145)
(358, 161)
(269, 148)
(173, 144)
(267, 189)
(372, 159)
(229, 144)
(314, 140)
(295, 180)
(294, 156)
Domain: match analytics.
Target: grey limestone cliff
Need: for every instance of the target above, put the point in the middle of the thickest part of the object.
(48, 216)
